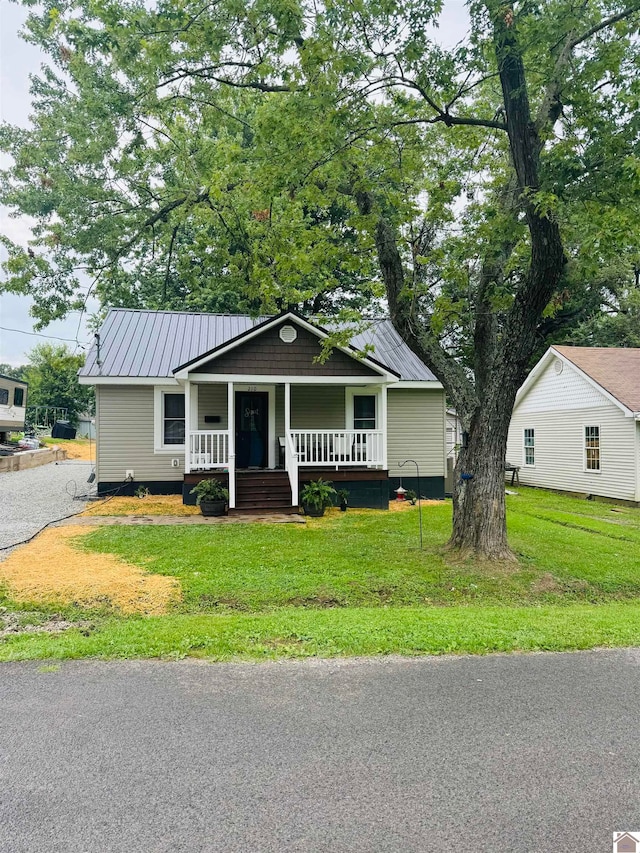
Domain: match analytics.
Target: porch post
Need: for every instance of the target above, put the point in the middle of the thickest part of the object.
(287, 409)
(187, 427)
(232, 450)
(290, 462)
(383, 424)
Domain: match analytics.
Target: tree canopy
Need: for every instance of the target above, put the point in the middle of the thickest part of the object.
(252, 155)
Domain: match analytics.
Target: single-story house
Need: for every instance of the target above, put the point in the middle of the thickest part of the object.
(13, 404)
(576, 422)
(182, 396)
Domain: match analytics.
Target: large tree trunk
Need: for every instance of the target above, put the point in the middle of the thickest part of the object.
(479, 513)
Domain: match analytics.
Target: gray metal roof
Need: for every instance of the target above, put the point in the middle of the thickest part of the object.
(154, 343)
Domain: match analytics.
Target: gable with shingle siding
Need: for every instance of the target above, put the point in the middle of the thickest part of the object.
(267, 355)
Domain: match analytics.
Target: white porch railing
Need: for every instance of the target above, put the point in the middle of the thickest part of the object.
(335, 448)
(291, 466)
(208, 449)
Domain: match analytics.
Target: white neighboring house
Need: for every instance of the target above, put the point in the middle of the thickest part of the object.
(13, 402)
(576, 422)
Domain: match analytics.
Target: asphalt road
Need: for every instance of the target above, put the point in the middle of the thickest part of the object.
(31, 498)
(524, 752)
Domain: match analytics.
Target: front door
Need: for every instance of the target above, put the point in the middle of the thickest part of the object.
(252, 429)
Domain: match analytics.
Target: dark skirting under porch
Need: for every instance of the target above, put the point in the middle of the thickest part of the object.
(430, 487)
(368, 487)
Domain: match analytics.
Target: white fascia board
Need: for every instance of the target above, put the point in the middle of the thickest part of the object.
(432, 384)
(533, 376)
(127, 380)
(263, 327)
(268, 379)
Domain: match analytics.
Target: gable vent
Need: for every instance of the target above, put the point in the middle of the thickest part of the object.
(288, 334)
(558, 366)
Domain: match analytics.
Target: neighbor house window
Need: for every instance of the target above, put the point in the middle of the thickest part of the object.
(173, 419)
(364, 411)
(4, 397)
(18, 396)
(529, 447)
(592, 448)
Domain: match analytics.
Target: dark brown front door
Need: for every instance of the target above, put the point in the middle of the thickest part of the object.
(252, 429)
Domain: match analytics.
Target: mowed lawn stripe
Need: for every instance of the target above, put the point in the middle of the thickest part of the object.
(296, 632)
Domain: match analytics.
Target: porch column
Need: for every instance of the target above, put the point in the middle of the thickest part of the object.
(232, 451)
(287, 409)
(290, 461)
(187, 427)
(383, 424)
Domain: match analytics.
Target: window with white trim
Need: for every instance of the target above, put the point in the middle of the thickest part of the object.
(592, 448)
(530, 446)
(172, 419)
(364, 411)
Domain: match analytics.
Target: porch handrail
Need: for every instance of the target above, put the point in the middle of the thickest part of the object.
(208, 449)
(291, 465)
(336, 448)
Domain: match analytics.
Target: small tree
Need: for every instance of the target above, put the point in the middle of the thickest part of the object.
(52, 374)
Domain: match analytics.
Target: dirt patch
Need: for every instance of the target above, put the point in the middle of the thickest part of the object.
(50, 570)
(14, 623)
(80, 449)
(547, 583)
(151, 505)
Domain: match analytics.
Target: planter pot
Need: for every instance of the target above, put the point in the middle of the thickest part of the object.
(313, 511)
(343, 507)
(212, 507)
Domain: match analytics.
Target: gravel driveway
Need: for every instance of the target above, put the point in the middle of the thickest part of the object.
(29, 499)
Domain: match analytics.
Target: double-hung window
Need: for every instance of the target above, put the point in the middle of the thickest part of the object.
(172, 419)
(364, 411)
(530, 446)
(592, 448)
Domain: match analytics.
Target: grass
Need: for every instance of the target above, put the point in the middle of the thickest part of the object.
(357, 584)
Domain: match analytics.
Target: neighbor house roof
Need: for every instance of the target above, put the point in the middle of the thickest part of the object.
(13, 379)
(615, 369)
(137, 343)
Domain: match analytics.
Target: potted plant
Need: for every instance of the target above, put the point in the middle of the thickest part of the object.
(316, 496)
(343, 496)
(411, 496)
(211, 497)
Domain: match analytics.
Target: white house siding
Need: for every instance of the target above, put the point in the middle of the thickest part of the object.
(558, 408)
(124, 418)
(416, 430)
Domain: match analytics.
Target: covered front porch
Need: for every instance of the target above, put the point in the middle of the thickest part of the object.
(296, 431)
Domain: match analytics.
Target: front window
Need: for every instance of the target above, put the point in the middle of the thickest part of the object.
(18, 397)
(364, 411)
(4, 397)
(529, 447)
(592, 448)
(173, 419)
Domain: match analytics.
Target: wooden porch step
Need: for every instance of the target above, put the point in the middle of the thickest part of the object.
(263, 491)
(285, 509)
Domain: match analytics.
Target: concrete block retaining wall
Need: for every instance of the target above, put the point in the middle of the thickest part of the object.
(31, 459)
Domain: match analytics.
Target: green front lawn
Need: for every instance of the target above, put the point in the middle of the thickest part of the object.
(357, 583)
(372, 559)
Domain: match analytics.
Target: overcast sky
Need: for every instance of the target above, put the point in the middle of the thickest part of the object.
(19, 59)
